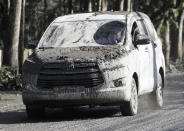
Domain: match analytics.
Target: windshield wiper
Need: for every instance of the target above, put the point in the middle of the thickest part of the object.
(46, 47)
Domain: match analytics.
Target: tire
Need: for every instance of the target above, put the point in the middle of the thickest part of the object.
(35, 112)
(130, 108)
(158, 93)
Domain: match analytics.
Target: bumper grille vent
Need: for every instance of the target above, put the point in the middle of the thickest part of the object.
(86, 74)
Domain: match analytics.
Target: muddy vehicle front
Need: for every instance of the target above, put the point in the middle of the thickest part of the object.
(78, 63)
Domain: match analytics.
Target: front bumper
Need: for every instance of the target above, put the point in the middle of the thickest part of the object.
(103, 96)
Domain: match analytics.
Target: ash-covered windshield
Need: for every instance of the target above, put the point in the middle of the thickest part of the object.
(83, 33)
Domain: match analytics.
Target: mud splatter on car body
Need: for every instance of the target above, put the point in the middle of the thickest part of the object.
(70, 68)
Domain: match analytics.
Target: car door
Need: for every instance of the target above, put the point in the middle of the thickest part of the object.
(146, 61)
(154, 42)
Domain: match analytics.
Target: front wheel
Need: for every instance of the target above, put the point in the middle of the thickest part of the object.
(35, 112)
(159, 92)
(130, 108)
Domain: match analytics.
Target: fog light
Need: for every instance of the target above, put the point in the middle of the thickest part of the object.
(119, 82)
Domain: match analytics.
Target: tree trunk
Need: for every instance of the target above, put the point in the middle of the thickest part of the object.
(174, 2)
(85, 5)
(60, 7)
(5, 27)
(100, 5)
(121, 5)
(180, 33)
(45, 10)
(135, 5)
(129, 5)
(104, 5)
(159, 27)
(81, 6)
(183, 45)
(15, 30)
(167, 44)
(89, 5)
(21, 45)
(8, 5)
(64, 7)
(70, 7)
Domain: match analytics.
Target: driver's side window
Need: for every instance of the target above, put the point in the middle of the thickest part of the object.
(111, 33)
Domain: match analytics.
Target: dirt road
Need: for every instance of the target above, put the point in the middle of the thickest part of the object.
(169, 118)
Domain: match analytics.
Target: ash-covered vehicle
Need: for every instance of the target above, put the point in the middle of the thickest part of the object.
(103, 58)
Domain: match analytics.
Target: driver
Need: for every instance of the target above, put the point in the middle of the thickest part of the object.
(118, 36)
(114, 38)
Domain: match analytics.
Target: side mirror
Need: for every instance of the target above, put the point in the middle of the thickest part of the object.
(142, 39)
(32, 44)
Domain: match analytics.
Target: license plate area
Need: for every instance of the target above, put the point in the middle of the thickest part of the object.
(69, 90)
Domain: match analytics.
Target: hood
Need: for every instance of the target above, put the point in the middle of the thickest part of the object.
(101, 53)
(105, 57)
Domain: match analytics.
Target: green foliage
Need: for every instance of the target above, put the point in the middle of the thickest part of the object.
(163, 28)
(174, 11)
(9, 80)
(174, 23)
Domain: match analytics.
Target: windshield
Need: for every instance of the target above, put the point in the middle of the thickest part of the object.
(83, 33)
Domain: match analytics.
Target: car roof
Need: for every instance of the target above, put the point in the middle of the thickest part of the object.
(107, 15)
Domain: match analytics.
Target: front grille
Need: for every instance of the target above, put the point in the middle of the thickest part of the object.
(86, 74)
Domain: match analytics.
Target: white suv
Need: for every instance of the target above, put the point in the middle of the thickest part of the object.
(103, 58)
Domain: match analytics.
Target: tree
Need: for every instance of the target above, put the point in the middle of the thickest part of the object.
(104, 5)
(60, 7)
(89, 5)
(10, 33)
(129, 5)
(121, 5)
(4, 30)
(180, 35)
(167, 44)
(99, 5)
(70, 6)
(183, 44)
(15, 16)
(45, 10)
(22, 29)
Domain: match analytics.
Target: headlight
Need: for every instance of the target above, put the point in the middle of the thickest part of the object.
(29, 81)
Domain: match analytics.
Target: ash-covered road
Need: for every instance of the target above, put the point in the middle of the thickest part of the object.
(169, 118)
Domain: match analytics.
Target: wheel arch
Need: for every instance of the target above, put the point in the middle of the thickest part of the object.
(135, 76)
(161, 72)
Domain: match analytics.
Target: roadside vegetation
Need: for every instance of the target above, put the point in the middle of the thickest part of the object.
(10, 80)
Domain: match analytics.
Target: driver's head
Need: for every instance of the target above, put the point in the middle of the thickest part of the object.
(118, 36)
